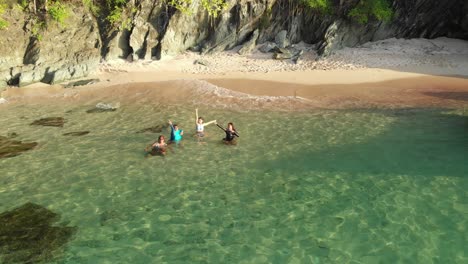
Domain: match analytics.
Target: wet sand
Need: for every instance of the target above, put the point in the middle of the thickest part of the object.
(298, 90)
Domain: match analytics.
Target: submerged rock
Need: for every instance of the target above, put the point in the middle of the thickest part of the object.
(81, 83)
(10, 148)
(49, 121)
(12, 134)
(154, 129)
(27, 235)
(102, 107)
(76, 134)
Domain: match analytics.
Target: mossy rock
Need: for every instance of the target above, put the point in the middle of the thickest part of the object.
(76, 134)
(27, 235)
(49, 121)
(10, 148)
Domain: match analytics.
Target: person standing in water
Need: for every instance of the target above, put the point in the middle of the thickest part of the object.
(231, 133)
(176, 133)
(200, 125)
(158, 147)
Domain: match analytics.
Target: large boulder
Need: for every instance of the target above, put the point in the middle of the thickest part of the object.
(282, 40)
(249, 46)
(268, 47)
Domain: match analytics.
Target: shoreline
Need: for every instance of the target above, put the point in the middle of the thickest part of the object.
(351, 78)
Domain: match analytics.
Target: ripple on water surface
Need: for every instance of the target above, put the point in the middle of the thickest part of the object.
(381, 186)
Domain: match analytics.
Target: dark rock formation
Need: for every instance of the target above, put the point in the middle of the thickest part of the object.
(53, 55)
(154, 129)
(49, 121)
(81, 83)
(11, 148)
(27, 235)
(76, 134)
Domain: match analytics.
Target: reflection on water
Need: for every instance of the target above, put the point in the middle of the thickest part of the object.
(311, 187)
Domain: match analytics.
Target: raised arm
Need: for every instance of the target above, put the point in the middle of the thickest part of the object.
(170, 123)
(196, 115)
(211, 122)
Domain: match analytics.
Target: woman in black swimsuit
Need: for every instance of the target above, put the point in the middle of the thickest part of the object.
(231, 134)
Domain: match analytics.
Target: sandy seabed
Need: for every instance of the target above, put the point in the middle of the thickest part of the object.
(390, 73)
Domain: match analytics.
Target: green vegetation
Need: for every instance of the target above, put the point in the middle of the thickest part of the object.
(37, 28)
(378, 9)
(119, 14)
(181, 5)
(89, 4)
(23, 5)
(3, 23)
(214, 7)
(322, 6)
(59, 12)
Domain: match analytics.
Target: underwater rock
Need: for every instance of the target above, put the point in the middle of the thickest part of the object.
(81, 83)
(49, 121)
(76, 134)
(12, 134)
(27, 235)
(102, 107)
(154, 129)
(10, 148)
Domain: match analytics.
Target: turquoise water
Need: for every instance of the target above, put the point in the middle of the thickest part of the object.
(319, 186)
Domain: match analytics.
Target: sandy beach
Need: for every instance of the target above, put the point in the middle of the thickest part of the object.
(389, 73)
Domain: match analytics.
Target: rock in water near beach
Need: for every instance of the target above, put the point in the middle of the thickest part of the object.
(249, 45)
(281, 39)
(12, 134)
(282, 54)
(76, 134)
(153, 129)
(102, 107)
(49, 121)
(10, 148)
(268, 47)
(81, 83)
(3, 101)
(28, 235)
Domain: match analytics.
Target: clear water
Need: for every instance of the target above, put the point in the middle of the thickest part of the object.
(348, 186)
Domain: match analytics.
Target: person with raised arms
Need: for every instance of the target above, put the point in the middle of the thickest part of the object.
(200, 125)
(176, 133)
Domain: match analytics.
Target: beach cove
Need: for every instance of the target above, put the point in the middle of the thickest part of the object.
(349, 164)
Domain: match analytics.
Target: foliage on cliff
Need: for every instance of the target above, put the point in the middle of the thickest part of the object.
(377, 9)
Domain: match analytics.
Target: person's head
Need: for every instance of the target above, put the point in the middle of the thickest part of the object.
(176, 127)
(231, 126)
(200, 120)
(161, 139)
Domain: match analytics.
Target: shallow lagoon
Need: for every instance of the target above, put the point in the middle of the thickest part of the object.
(318, 186)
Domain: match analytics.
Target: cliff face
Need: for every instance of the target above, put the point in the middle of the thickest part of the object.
(30, 53)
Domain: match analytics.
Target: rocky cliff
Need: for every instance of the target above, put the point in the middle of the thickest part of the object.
(32, 51)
